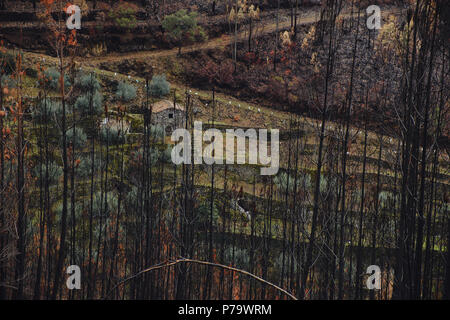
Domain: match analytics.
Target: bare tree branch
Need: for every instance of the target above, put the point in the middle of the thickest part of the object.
(186, 260)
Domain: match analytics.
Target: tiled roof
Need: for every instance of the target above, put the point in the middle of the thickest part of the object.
(164, 105)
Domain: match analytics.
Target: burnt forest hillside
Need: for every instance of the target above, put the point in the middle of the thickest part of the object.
(357, 123)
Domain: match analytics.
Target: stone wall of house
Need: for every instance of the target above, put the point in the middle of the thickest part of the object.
(170, 119)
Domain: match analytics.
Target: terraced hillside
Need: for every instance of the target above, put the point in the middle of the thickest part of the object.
(88, 175)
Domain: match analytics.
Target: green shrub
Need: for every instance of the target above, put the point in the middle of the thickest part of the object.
(159, 86)
(51, 78)
(7, 81)
(157, 133)
(100, 203)
(132, 197)
(182, 28)
(113, 136)
(284, 181)
(303, 181)
(327, 183)
(125, 92)
(167, 155)
(58, 213)
(124, 15)
(88, 82)
(200, 35)
(7, 63)
(240, 257)
(54, 173)
(83, 170)
(387, 198)
(155, 155)
(203, 214)
(279, 261)
(46, 110)
(82, 103)
(77, 140)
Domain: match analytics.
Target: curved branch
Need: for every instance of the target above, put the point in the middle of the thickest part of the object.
(186, 260)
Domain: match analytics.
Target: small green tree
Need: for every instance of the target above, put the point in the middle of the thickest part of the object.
(51, 77)
(182, 28)
(77, 139)
(89, 87)
(83, 170)
(54, 173)
(7, 81)
(7, 62)
(83, 103)
(125, 92)
(157, 133)
(159, 86)
(98, 204)
(46, 110)
(167, 155)
(203, 214)
(124, 15)
(112, 135)
(87, 82)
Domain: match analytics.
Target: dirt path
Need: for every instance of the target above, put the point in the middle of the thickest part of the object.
(217, 43)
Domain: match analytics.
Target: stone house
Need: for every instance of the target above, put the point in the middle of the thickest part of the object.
(169, 116)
